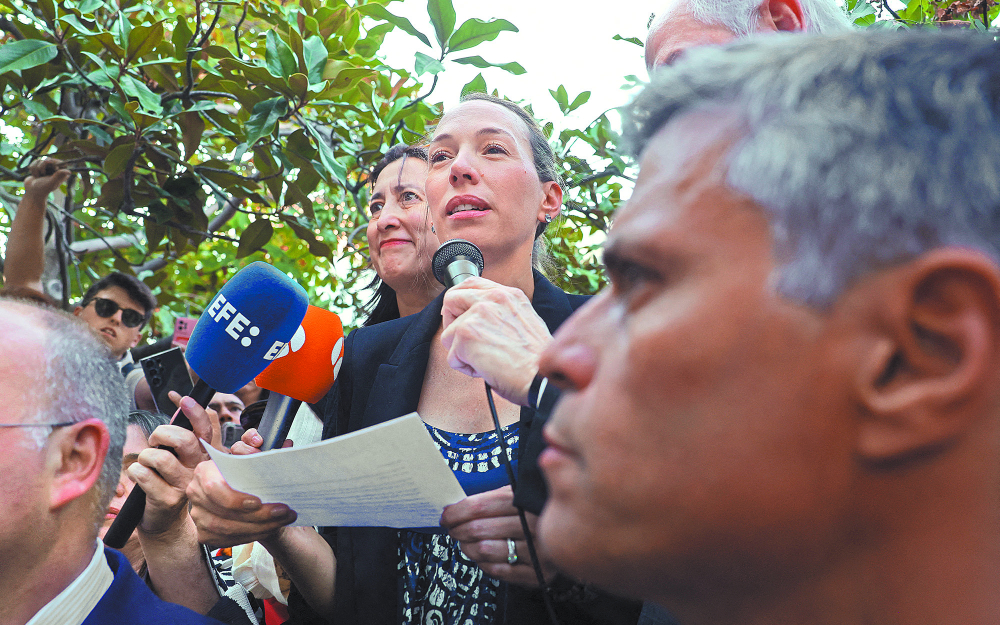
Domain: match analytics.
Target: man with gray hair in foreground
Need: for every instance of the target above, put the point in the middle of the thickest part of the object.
(63, 427)
(685, 24)
(786, 408)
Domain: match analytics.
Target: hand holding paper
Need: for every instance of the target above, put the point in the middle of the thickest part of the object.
(388, 475)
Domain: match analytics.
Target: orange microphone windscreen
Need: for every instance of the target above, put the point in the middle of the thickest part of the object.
(306, 366)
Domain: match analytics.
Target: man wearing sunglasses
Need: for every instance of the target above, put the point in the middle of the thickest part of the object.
(117, 308)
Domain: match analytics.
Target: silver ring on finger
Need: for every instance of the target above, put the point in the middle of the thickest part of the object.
(511, 552)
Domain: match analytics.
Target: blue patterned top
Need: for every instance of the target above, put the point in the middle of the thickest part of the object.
(439, 585)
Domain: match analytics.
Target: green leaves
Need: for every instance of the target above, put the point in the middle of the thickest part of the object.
(424, 64)
(254, 237)
(379, 12)
(142, 40)
(25, 54)
(117, 160)
(315, 55)
(149, 101)
(265, 115)
(180, 37)
(634, 40)
(579, 101)
(481, 63)
(279, 57)
(442, 14)
(476, 85)
(559, 95)
(475, 31)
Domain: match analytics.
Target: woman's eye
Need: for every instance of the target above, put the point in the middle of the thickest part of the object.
(437, 157)
(409, 197)
(495, 148)
(374, 207)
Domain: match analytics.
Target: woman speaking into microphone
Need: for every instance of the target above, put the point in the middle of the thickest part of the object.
(492, 181)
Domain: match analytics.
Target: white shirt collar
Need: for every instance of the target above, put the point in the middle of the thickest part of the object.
(75, 602)
(125, 360)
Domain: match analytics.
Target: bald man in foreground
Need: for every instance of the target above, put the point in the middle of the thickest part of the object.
(685, 24)
(786, 409)
(63, 428)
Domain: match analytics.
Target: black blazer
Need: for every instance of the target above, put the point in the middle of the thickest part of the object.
(380, 379)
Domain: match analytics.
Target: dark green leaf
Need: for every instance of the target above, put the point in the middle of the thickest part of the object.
(154, 230)
(123, 30)
(442, 14)
(316, 247)
(481, 63)
(334, 170)
(634, 40)
(78, 24)
(143, 39)
(192, 128)
(279, 57)
(254, 237)
(115, 163)
(180, 38)
(424, 64)
(476, 85)
(24, 54)
(147, 99)
(265, 115)
(37, 109)
(315, 54)
(381, 13)
(475, 31)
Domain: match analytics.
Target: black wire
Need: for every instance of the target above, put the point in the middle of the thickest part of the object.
(528, 538)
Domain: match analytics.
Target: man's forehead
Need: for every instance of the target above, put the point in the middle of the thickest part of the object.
(686, 156)
(676, 30)
(22, 336)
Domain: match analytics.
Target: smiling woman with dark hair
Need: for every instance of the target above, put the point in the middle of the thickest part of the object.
(401, 239)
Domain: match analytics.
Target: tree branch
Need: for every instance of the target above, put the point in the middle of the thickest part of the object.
(8, 26)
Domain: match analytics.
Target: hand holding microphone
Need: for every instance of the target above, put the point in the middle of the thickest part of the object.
(490, 330)
(238, 335)
(303, 371)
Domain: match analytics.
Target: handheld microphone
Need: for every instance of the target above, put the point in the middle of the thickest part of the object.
(303, 371)
(239, 334)
(455, 261)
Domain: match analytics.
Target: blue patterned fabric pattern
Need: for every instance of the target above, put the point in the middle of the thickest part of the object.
(439, 584)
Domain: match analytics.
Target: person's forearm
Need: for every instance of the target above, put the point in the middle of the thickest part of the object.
(25, 261)
(309, 562)
(177, 567)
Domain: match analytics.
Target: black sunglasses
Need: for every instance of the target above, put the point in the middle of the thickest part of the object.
(108, 307)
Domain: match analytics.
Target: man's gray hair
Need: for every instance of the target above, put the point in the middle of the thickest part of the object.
(741, 16)
(865, 150)
(81, 382)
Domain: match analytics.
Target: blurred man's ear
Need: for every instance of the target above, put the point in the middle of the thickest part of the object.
(931, 364)
(781, 16)
(76, 454)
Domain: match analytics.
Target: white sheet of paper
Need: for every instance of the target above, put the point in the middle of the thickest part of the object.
(387, 475)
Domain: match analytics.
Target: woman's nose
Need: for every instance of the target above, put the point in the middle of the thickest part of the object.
(463, 172)
(388, 218)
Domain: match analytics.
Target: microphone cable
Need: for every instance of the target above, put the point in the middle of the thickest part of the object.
(528, 538)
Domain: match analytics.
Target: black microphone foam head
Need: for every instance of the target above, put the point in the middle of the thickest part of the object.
(455, 249)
